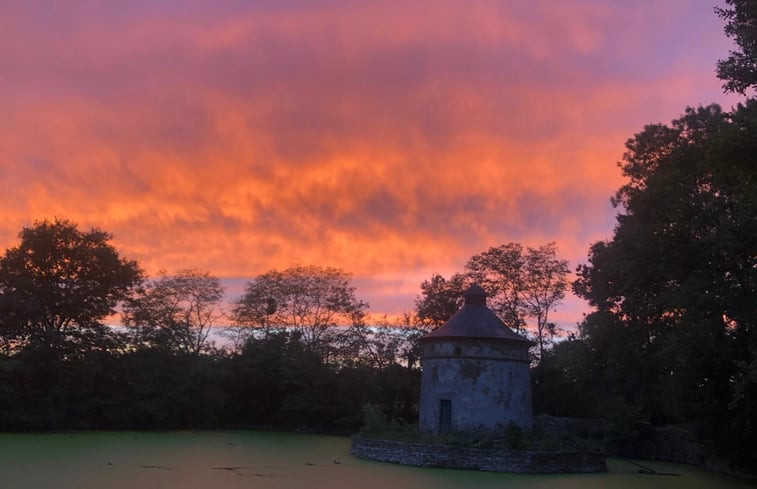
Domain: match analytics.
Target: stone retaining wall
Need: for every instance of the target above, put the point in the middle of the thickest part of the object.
(486, 459)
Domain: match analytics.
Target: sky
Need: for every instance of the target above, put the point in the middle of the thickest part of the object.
(392, 140)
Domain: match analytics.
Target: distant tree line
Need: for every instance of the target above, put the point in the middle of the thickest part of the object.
(299, 354)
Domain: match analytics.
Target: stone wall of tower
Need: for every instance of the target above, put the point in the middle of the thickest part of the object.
(487, 383)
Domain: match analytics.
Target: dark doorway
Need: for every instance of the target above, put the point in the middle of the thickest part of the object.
(445, 416)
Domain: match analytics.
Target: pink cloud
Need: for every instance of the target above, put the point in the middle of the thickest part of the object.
(391, 140)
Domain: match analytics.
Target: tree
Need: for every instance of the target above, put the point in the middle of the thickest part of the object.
(689, 220)
(384, 343)
(520, 285)
(59, 284)
(176, 312)
(501, 271)
(546, 279)
(739, 70)
(567, 381)
(410, 328)
(440, 299)
(307, 299)
(675, 287)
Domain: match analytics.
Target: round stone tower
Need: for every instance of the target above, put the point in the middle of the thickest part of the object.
(476, 374)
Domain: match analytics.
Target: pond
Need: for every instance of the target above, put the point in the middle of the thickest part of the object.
(250, 459)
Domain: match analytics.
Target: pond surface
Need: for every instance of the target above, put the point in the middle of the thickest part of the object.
(248, 459)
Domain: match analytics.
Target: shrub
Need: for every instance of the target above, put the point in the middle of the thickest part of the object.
(514, 438)
(374, 420)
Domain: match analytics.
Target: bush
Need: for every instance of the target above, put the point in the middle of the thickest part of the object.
(374, 420)
(514, 438)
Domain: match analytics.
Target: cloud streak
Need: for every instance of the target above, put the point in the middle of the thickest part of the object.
(391, 140)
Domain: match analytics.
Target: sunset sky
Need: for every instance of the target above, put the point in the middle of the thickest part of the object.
(390, 139)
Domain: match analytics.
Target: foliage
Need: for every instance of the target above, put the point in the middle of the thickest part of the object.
(563, 380)
(277, 380)
(62, 368)
(674, 288)
(500, 270)
(514, 437)
(58, 285)
(739, 70)
(274, 382)
(307, 299)
(382, 344)
(440, 299)
(176, 312)
(374, 420)
(520, 284)
(546, 282)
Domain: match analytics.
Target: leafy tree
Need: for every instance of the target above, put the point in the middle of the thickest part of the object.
(689, 218)
(307, 299)
(519, 284)
(522, 285)
(501, 271)
(176, 312)
(675, 286)
(739, 70)
(440, 299)
(58, 286)
(546, 280)
(565, 383)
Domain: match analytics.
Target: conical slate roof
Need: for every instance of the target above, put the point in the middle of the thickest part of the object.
(475, 320)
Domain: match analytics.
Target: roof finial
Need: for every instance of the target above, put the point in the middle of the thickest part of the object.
(475, 296)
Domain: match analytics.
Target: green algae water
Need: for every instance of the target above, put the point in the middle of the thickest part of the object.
(248, 459)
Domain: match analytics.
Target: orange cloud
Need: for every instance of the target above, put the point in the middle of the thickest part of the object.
(391, 140)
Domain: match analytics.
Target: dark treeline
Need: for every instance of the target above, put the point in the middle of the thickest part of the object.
(671, 339)
(299, 356)
(273, 382)
(673, 336)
